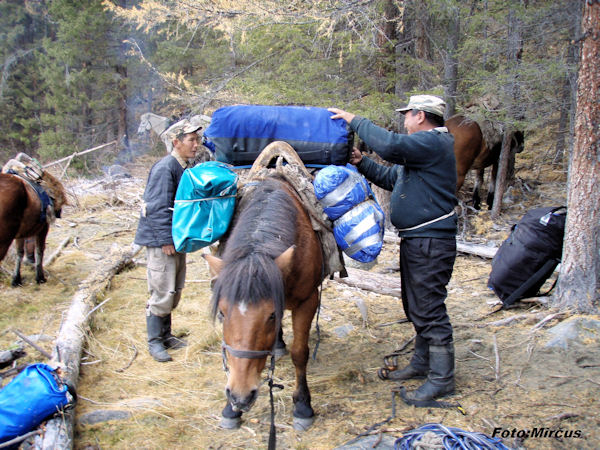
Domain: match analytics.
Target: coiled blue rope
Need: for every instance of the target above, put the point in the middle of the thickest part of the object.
(452, 438)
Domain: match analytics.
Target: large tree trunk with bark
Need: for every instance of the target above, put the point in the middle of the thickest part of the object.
(579, 279)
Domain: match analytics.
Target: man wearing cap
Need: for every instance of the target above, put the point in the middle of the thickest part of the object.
(423, 184)
(166, 267)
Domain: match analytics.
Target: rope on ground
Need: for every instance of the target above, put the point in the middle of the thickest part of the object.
(451, 438)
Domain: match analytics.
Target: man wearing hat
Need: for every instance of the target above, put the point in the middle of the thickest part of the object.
(423, 184)
(166, 267)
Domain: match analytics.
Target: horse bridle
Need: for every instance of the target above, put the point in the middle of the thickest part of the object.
(257, 354)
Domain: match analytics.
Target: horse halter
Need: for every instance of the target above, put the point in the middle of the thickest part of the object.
(245, 354)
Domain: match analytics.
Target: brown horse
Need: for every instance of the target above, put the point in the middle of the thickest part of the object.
(271, 261)
(21, 216)
(472, 151)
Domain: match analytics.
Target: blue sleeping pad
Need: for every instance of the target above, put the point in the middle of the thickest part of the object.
(241, 132)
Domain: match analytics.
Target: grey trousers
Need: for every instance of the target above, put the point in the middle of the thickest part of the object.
(166, 278)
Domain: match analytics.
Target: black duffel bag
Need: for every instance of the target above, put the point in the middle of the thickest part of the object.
(527, 258)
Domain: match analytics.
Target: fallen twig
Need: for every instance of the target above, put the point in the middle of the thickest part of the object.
(54, 255)
(497, 359)
(20, 438)
(381, 325)
(135, 353)
(562, 416)
(548, 318)
(37, 347)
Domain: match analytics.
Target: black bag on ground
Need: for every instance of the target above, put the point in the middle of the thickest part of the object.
(527, 258)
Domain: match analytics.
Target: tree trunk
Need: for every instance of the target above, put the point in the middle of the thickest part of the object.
(568, 105)
(507, 158)
(579, 278)
(451, 63)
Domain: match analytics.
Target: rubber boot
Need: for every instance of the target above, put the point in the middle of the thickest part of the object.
(440, 380)
(170, 341)
(154, 324)
(418, 366)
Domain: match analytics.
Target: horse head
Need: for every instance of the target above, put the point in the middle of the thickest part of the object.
(57, 193)
(150, 121)
(251, 315)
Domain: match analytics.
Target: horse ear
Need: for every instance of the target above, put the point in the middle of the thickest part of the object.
(284, 261)
(214, 264)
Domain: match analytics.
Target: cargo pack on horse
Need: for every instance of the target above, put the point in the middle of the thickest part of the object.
(473, 151)
(23, 214)
(272, 260)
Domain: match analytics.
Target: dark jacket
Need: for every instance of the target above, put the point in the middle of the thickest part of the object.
(154, 227)
(423, 183)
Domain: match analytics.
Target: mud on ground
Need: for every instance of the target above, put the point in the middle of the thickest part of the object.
(505, 376)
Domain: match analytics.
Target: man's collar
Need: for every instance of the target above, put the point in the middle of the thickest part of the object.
(182, 161)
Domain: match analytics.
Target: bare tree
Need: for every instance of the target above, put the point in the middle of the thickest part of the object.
(579, 278)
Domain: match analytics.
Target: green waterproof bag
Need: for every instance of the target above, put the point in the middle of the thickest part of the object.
(204, 205)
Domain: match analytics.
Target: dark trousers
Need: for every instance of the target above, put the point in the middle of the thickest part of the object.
(425, 269)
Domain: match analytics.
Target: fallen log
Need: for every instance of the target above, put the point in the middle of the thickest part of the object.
(370, 281)
(469, 248)
(69, 343)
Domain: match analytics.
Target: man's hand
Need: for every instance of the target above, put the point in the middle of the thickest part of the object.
(168, 250)
(355, 157)
(341, 114)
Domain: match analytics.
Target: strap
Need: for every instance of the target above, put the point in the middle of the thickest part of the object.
(533, 279)
(204, 199)
(445, 216)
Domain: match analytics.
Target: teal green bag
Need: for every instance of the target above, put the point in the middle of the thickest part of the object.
(204, 205)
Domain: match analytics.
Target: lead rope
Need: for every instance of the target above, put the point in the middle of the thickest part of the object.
(272, 385)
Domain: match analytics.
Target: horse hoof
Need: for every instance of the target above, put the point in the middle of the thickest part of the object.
(280, 352)
(303, 423)
(230, 423)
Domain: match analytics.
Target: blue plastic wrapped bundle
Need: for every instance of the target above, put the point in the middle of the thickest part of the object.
(204, 205)
(359, 232)
(31, 397)
(340, 188)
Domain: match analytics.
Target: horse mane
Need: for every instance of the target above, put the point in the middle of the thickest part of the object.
(55, 189)
(265, 228)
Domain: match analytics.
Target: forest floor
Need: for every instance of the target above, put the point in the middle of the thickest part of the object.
(506, 376)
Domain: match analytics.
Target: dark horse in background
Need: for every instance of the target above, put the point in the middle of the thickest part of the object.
(473, 152)
(272, 260)
(21, 217)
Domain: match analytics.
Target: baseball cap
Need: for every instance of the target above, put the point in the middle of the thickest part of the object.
(184, 126)
(428, 103)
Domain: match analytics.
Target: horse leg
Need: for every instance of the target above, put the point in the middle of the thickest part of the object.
(20, 250)
(302, 318)
(478, 183)
(492, 186)
(30, 250)
(40, 246)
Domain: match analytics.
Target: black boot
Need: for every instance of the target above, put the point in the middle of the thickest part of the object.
(170, 341)
(154, 324)
(440, 381)
(418, 366)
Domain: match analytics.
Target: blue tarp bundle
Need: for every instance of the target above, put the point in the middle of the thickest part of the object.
(340, 188)
(204, 205)
(31, 397)
(359, 232)
(241, 132)
(347, 199)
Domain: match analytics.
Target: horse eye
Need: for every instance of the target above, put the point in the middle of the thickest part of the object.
(220, 316)
(272, 317)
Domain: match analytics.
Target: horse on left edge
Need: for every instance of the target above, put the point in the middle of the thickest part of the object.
(22, 215)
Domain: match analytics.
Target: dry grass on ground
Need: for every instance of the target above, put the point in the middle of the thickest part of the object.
(505, 376)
